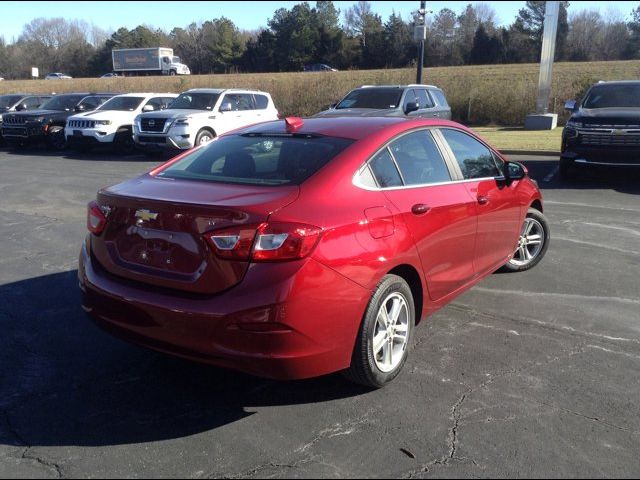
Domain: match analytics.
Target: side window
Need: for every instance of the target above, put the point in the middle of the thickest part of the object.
(475, 160)
(419, 159)
(385, 171)
(261, 101)
(239, 101)
(410, 96)
(31, 102)
(156, 103)
(365, 177)
(440, 98)
(424, 100)
(166, 101)
(90, 103)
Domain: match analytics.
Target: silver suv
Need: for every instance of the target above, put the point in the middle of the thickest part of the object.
(426, 101)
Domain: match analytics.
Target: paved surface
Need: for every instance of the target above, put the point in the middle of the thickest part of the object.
(531, 374)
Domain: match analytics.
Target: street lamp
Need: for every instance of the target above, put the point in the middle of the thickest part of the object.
(420, 35)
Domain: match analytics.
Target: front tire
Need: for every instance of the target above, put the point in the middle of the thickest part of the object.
(123, 143)
(57, 140)
(385, 334)
(204, 136)
(565, 169)
(532, 244)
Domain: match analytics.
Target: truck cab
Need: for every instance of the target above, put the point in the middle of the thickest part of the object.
(172, 65)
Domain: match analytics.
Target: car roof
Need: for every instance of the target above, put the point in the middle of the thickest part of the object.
(355, 128)
(618, 82)
(221, 90)
(410, 85)
(145, 94)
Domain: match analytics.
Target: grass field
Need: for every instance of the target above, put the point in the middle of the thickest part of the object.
(478, 95)
(517, 138)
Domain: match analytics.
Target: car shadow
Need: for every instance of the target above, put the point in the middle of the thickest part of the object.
(96, 154)
(66, 382)
(620, 179)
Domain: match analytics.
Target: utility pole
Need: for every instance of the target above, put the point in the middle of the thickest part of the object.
(420, 35)
(542, 119)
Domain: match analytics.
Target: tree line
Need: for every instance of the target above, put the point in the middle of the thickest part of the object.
(308, 34)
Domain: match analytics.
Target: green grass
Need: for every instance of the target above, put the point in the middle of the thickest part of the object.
(517, 138)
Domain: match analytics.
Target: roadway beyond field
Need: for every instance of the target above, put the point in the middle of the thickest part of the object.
(532, 374)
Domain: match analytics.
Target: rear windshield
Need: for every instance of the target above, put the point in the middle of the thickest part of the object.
(258, 160)
(62, 102)
(7, 101)
(607, 96)
(378, 98)
(124, 104)
(195, 101)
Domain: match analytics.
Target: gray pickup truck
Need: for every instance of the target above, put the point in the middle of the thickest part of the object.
(425, 101)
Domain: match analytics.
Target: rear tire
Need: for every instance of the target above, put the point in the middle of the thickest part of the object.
(385, 334)
(533, 243)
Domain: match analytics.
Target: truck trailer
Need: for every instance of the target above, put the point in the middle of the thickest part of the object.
(147, 61)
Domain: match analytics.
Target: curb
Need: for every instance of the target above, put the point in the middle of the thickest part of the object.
(530, 152)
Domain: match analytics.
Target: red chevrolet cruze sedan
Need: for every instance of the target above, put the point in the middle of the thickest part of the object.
(296, 248)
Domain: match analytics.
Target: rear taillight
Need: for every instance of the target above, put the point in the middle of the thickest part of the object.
(96, 220)
(268, 242)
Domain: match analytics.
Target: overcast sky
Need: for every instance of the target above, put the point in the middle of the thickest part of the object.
(245, 14)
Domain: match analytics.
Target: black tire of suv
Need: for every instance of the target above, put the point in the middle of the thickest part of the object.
(201, 134)
(123, 143)
(565, 169)
(363, 369)
(56, 138)
(537, 215)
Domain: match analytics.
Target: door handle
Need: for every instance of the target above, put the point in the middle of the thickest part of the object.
(420, 209)
(482, 200)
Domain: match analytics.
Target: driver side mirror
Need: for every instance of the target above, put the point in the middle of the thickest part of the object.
(226, 107)
(570, 105)
(80, 108)
(514, 171)
(21, 107)
(148, 108)
(411, 107)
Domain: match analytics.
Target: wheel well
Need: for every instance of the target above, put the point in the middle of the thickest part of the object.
(537, 204)
(208, 129)
(411, 276)
(124, 128)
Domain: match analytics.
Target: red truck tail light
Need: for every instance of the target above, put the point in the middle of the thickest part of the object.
(267, 242)
(96, 219)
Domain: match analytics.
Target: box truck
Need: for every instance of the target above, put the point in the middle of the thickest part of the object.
(147, 61)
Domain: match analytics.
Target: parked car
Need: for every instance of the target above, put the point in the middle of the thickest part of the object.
(318, 255)
(19, 102)
(46, 124)
(1, 79)
(604, 128)
(318, 67)
(112, 122)
(425, 101)
(109, 75)
(199, 115)
(57, 76)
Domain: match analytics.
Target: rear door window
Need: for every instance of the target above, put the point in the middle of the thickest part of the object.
(239, 101)
(257, 159)
(261, 101)
(440, 98)
(475, 160)
(419, 159)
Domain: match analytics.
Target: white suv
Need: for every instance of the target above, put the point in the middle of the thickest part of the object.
(112, 122)
(200, 114)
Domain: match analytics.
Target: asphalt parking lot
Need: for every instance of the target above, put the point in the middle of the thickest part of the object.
(530, 374)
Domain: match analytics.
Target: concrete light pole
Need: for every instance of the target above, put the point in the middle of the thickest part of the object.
(542, 119)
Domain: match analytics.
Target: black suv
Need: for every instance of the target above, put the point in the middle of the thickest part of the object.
(426, 101)
(604, 128)
(18, 102)
(46, 124)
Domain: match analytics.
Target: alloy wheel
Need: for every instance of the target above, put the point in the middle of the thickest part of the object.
(530, 243)
(391, 332)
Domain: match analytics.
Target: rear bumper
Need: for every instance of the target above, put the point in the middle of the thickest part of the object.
(302, 326)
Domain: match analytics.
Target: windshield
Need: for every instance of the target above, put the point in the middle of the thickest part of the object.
(258, 159)
(608, 96)
(7, 101)
(378, 98)
(124, 104)
(62, 102)
(195, 101)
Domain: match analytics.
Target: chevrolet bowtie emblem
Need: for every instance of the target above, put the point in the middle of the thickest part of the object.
(146, 215)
